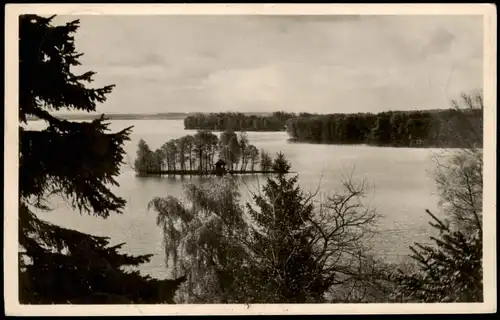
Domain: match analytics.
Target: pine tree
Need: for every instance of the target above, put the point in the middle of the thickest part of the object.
(280, 164)
(450, 270)
(281, 242)
(75, 160)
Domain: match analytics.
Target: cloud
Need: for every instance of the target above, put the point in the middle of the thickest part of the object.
(260, 86)
(440, 42)
(141, 60)
(296, 63)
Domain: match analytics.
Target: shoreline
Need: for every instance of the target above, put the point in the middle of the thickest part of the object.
(205, 173)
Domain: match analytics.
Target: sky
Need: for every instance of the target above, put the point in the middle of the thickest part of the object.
(321, 64)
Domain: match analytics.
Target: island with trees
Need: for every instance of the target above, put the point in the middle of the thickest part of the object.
(203, 154)
(446, 128)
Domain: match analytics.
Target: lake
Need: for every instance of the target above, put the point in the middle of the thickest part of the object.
(400, 180)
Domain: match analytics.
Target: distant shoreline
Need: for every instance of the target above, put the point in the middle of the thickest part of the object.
(182, 115)
(133, 116)
(176, 116)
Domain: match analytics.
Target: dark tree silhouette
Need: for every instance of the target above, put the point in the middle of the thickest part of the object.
(75, 160)
(265, 161)
(236, 121)
(429, 128)
(280, 164)
(281, 242)
(144, 157)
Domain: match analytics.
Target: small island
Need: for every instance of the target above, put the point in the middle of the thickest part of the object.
(196, 155)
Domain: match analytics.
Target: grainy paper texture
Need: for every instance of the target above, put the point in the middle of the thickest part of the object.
(260, 89)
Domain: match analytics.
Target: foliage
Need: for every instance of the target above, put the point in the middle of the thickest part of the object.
(281, 245)
(434, 128)
(280, 164)
(459, 180)
(89, 270)
(75, 160)
(280, 249)
(253, 156)
(230, 148)
(199, 238)
(265, 161)
(237, 121)
(450, 270)
(244, 151)
(200, 151)
(144, 158)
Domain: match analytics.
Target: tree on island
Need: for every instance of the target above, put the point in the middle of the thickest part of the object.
(144, 157)
(181, 149)
(265, 161)
(189, 142)
(229, 148)
(170, 153)
(75, 160)
(253, 155)
(244, 149)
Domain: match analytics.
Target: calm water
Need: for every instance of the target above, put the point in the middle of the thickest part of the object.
(401, 188)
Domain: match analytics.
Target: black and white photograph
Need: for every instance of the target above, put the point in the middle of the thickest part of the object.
(167, 159)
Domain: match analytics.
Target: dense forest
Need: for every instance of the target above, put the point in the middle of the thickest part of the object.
(197, 154)
(239, 121)
(429, 128)
(436, 128)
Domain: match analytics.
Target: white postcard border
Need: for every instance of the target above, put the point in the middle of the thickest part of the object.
(12, 306)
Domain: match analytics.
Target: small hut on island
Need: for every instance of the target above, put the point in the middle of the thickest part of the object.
(220, 167)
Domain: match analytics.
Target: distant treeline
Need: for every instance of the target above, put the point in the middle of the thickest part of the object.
(198, 154)
(422, 128)
(121, 116)
(141, 116)
(434, 128)
(240, 121)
